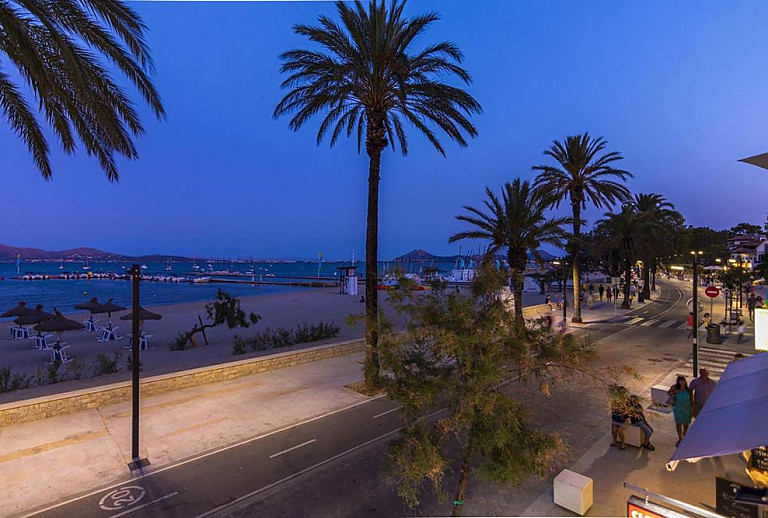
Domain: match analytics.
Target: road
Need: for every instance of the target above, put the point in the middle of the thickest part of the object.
(233, 478)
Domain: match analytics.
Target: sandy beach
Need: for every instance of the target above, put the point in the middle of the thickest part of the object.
(277, 310)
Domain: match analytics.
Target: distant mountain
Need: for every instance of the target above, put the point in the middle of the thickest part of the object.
(424, 256)
(9, 253)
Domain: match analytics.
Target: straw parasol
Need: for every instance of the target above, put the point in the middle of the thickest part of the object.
(58, 324)
(35, 316)
(19, 311)
(89, 306)
(108, 307)
(143, 315)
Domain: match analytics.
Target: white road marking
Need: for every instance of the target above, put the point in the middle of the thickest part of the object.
(649, 322)
(634, 321)
(387, 412)
(156, 500)
(668, 323)
(683, 326)
(291, 448)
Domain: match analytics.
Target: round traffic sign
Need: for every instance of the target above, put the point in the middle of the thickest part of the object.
(712, 292)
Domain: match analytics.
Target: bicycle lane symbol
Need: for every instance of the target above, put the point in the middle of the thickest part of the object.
(122, 498)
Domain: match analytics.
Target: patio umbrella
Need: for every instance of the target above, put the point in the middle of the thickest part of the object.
(757, 160)
(18, 311)
(58, 324)
(108, 307)
(89, 306)
(35, 316)
(143, 315)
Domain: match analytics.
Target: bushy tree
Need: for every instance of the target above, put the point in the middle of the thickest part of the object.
(224, 309)
(457, 352)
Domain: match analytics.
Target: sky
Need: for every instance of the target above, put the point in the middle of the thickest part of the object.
(679, 88)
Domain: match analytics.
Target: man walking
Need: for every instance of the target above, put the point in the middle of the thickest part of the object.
(689, 324)
(601, 290)
(702, 388)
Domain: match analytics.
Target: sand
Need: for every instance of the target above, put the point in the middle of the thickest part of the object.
(277, 310)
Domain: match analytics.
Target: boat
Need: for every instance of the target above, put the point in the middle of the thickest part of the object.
(200, 280)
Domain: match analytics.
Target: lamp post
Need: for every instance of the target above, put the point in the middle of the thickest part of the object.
(137, 463)
(695, 330)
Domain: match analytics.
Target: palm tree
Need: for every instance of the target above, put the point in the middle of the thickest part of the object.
(368, 79)
(654, 207)
(583, 175)
(62, 50)
(625, 232)
(515, 223)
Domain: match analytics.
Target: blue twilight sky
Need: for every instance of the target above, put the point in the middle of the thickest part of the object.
(679, 87)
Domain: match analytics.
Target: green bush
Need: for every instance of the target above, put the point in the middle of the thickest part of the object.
(107, 365)
(281, 337)
(52, 374)
(10, 381)
(180, 343)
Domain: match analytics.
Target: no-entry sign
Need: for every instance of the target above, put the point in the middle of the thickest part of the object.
(711, 292)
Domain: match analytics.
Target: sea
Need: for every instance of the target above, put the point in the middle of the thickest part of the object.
(63, 294)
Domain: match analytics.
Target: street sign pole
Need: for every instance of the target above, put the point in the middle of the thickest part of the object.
(695, 330)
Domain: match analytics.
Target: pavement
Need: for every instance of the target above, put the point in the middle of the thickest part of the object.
(297, 442)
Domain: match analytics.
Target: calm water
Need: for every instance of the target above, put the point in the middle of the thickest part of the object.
(63, 294)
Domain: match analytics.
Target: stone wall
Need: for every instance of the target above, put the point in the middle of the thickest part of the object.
(58, 404)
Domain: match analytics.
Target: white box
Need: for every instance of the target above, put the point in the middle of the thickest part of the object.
(659, 394)
(633, 436)
(573, 491)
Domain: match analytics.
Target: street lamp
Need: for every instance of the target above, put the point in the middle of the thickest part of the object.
(565, 288)
(695, 330)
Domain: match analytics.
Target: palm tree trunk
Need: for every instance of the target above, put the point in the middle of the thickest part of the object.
(517, 291)
(627, 281)
(371, 269)
(646, 279)
(575, 261)
(653, 274)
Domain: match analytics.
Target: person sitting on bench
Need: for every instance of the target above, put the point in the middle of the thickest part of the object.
(637, 418)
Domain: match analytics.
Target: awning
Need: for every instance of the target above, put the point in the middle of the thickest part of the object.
(735, 417)
(758, 160)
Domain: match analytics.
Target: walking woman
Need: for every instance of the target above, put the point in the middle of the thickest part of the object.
(681, 401)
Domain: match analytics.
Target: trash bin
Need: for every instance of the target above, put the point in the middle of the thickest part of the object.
(713, 334)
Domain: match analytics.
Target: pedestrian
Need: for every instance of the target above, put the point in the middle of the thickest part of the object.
(680, 394)
(618, 395)
(637, 418)
(601, 290)
(615, 292)
(689, 324)
(740, 331)
(707, 321)
(608, 295)
(548, 322)
(548, 302)
(751, 301)
(702, 388)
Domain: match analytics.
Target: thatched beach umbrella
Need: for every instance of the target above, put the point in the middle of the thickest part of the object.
(89, 306)
(36, 316)
(108, 307)
(19, 311)
(144, 314)
(58, 324)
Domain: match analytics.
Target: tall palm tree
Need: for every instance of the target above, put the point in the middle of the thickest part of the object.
(367, 78)
(654, 207)
(63, 51)
(583, 175)
(626, 232)
(515, 223)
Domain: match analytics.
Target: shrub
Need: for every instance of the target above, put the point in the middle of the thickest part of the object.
(107, 365)
(180, 343)
(281, 337)
(52, 374)
(10, 381)
(224, 309)
(78, 369)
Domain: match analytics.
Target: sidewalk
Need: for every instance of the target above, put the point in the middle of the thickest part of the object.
(45, 461)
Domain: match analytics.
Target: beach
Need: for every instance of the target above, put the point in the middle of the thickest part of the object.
(285, 310)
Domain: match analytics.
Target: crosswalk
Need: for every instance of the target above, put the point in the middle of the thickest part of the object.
(629, 320)
(715, 360)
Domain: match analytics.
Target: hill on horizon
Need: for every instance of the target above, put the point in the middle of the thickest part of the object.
(420, 255)
(9, 253)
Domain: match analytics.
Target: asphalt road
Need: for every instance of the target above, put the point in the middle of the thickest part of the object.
(229, 478)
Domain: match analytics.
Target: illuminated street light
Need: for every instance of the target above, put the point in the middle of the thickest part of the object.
(695, 330)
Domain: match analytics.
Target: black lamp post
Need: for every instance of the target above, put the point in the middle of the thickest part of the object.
(695, 330)
(137, 463)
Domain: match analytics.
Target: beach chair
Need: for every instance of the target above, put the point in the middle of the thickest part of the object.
(21, 332)
(41, 342)
(143, 342)
(59, 353)
(110, 334)
(91, 325)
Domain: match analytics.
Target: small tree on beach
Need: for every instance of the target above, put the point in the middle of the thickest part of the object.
(368, 79)
(64, 51)
(224, 309)
(450, 372)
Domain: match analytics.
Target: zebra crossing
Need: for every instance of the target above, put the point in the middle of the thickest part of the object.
(631, 320)
(715, 360)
